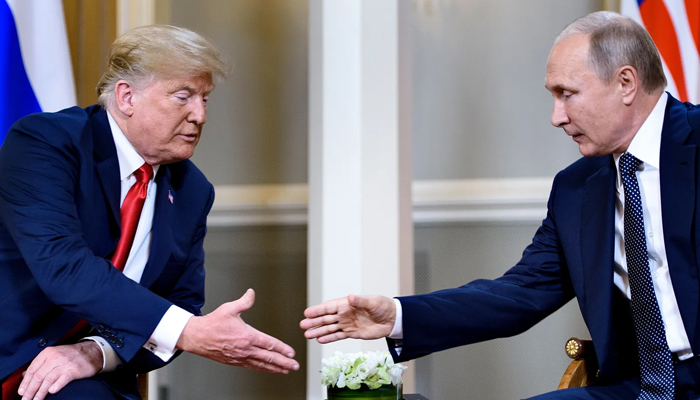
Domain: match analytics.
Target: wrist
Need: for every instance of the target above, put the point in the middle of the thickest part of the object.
(186, 340)
(92, 353)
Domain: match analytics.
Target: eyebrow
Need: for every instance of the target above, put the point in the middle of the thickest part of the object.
(556, 88)
(190, 89)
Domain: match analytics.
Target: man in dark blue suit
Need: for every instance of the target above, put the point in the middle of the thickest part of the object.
(634, 271)
(63, 178)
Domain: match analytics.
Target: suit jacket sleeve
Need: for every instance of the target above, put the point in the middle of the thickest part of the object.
(187, 293)
(40, 169)
(487, 309)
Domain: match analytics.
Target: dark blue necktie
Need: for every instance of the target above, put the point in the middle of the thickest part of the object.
(656, 364)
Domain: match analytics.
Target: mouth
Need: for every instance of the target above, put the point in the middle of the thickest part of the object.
(188, 137)
(577, 137)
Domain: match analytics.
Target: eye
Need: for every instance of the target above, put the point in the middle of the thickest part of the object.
(182, 96)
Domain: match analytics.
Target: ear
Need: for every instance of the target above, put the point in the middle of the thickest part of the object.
(124, 97)
(628, 81)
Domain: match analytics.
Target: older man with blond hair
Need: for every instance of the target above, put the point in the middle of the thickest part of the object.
(102, 222)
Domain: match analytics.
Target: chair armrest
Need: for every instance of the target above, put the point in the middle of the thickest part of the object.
(584, 368)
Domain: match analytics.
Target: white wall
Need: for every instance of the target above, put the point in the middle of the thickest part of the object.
(480, 110)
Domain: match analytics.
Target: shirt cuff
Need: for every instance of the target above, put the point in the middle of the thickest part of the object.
(110, 360)
(167, 333)
(397, 330)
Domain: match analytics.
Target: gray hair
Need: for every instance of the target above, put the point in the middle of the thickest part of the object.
(159, 51)
(616, 41)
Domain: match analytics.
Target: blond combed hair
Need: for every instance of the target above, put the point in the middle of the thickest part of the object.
(162, 52)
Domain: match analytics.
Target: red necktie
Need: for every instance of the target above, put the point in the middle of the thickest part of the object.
(130, 215)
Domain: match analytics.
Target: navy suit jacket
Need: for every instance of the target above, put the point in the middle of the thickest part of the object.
(59, 222)
(571, 255)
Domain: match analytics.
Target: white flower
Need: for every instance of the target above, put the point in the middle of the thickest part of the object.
(374, 369)
(395, 372)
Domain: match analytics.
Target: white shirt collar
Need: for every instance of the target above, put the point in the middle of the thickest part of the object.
(129, 158)
(646, 144)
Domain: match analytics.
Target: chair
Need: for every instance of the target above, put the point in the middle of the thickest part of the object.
(142, 381)
(584, 368)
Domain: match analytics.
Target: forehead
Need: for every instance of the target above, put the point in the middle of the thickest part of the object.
(194, 84)
(568, 61)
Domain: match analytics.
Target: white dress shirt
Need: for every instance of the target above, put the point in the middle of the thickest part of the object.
(646, 146)
(164, 338)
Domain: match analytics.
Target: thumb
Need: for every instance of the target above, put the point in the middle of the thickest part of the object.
(244, 303)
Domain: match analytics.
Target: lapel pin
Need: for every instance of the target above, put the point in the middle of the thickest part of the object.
(170, 197)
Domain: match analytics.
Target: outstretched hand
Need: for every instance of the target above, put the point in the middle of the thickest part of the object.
(223, 336)
(356, 317)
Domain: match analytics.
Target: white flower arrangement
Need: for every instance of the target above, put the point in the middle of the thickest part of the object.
(373, 368)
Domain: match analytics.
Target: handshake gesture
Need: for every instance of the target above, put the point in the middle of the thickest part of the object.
(223, 336)
(355, 317)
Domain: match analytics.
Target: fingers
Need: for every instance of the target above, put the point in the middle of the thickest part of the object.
(47, 381)
(329, 334)
(333, 337)
(56, 366)
(264, 367)
(311, 323)
(31, 381)
(270, 361)
(269, 354)
(273, 345)
(61, 382)
(40, 376)
(326, 308)
(321, 330)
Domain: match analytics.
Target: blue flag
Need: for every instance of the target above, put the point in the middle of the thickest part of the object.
(35, 69)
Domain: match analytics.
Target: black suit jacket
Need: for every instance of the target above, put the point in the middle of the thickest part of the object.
(571, 256)
(59, 222)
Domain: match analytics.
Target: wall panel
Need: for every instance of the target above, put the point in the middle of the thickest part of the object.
(91, 26)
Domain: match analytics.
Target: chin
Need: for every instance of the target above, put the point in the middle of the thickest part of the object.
(587, 152)
(593, 152)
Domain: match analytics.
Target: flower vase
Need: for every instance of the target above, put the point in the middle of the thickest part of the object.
(384, 392)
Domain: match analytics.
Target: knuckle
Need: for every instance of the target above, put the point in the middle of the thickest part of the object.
(50, 352)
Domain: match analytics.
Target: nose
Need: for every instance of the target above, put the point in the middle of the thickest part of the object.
(198, 113)
(559, 115)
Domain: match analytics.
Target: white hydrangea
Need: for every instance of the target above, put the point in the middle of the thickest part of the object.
(351, 370)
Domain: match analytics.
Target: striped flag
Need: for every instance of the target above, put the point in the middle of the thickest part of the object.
(35, 67)
(675, 27)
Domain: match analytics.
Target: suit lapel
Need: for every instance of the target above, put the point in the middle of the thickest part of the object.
(597, 238)
(106, 161)
(162, 237)
(678, 192)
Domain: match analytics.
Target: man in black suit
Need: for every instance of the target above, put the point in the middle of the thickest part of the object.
(70, 183)
(621, 233)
